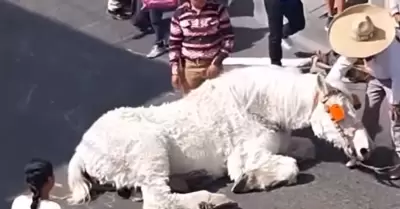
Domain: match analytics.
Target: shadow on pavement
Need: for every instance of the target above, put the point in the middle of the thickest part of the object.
(239, 9)
(54, 83)
(325, 152)
(245, 38)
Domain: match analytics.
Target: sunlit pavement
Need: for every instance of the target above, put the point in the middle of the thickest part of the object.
(64, 63)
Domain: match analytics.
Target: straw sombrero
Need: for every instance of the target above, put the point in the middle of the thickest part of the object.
(361, 31)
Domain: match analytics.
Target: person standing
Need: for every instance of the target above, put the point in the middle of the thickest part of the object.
(331, 10)
(201, 37)
(279, 33)
(368, 32)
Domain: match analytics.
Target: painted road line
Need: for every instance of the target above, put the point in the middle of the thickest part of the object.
(265, 61)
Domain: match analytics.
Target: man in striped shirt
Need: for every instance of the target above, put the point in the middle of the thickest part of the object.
(201, 38)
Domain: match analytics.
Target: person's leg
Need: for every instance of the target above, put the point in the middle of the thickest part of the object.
(156, 20)
(275, 22)
(375, 94)
(340, 4)
(394, 130)
(194, 73)
(394, 123)
(330, 4)
(293, 10)
(141, 20)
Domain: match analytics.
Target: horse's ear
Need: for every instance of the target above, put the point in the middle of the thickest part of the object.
(321, 83)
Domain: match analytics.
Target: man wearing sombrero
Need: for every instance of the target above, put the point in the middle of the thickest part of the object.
(369, 32)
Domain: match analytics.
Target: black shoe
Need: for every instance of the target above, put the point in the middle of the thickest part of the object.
(120, 14)
(328, 23)
(143, 32)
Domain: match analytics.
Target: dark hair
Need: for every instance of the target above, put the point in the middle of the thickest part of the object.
(37, 173)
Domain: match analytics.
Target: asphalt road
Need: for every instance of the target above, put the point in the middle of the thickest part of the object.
(56, 78)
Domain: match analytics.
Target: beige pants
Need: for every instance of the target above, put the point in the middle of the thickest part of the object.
(195, 72)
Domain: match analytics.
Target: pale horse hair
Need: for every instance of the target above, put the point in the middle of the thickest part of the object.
(232, 125)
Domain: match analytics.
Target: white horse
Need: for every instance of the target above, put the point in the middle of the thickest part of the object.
(232, 125)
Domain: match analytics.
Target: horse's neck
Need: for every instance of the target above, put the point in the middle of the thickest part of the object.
(289, 104)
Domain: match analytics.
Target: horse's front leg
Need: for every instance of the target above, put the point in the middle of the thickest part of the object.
(255, 164)
(154, 178)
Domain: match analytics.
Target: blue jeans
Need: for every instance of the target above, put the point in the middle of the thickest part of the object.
(159, 26)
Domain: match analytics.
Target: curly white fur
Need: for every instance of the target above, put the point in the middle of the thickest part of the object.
(222, 127)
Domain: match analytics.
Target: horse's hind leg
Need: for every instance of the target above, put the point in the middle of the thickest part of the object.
(254, 167)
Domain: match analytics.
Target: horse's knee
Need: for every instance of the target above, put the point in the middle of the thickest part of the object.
(288, 170)
(279, 171)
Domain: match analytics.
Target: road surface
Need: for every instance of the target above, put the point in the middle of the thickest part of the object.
(63, 64)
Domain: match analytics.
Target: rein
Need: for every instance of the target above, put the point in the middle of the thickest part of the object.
(383, 171)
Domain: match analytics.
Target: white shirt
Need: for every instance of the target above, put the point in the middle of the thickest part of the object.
(385, 65)
(24, 202)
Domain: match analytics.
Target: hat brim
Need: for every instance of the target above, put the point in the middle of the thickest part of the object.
(340, 38)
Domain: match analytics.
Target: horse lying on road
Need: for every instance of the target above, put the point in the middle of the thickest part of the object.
(233, 125)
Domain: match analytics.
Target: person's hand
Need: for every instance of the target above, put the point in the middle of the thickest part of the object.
(397, 17)
(176, 81)
(356, 101)
(213, 71)
(395, 112)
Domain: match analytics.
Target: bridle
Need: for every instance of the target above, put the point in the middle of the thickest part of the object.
(348, 138)
(382, 171)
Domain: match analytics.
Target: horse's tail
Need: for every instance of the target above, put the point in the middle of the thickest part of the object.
(78, 184)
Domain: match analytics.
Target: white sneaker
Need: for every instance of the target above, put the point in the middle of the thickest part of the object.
(287, 43)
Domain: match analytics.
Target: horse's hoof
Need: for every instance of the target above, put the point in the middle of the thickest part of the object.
(207, 200)
(137, 199)
(124, 193)
(351, 164)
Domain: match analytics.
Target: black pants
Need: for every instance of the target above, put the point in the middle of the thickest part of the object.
(276, 10)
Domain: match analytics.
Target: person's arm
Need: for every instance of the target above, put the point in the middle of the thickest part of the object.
(394, 7)
(175, 43)
(395, 77)
(226, 31)
(340, 68)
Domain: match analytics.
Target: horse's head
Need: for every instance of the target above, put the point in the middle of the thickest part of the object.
(334, 119)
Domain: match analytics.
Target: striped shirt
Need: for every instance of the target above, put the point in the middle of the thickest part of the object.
(199, 35)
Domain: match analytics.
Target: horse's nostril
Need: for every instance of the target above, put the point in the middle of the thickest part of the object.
(364, 151)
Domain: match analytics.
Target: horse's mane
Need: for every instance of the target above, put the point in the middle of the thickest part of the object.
(341, 86)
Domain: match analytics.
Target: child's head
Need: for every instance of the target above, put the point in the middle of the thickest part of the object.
(40, 178)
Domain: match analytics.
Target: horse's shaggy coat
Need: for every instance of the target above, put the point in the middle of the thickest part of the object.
(231, 125)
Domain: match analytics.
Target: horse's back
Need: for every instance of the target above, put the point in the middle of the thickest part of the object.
(264, 74)
(112, 138)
